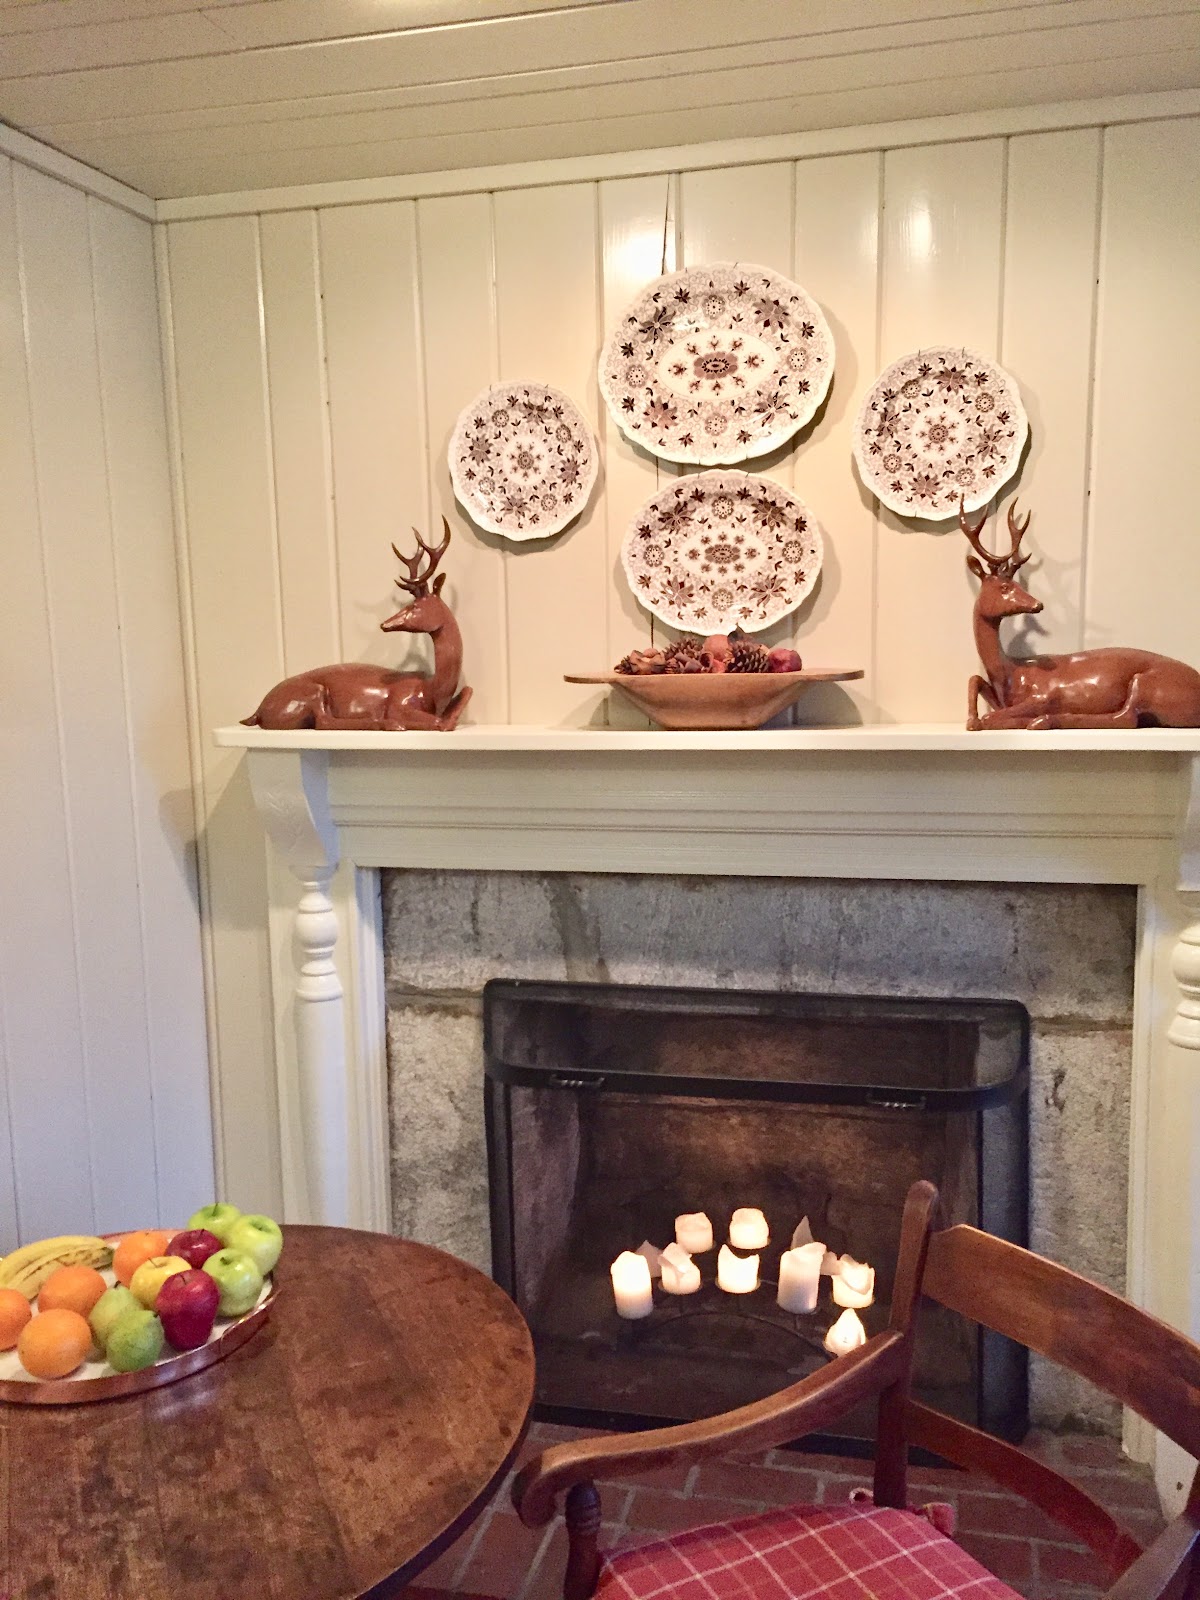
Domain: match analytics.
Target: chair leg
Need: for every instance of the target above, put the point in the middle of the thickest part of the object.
(583, 1558)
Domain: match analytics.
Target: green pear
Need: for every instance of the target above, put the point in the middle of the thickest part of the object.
(108, 1308)
(135, 1340)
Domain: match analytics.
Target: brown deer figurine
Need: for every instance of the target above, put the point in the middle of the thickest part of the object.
(1110, 688)
(354, 694)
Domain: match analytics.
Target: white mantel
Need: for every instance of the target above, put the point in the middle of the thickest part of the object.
(888, 801)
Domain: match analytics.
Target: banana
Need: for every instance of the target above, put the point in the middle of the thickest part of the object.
(28, 1268)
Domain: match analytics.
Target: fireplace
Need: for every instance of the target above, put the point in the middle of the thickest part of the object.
(613, 1108)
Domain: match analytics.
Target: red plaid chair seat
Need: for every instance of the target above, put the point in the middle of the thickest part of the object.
(855, 1552)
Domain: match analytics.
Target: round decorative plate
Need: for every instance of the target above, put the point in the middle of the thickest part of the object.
(717, 363)
(523, 460)
(937, 426)
(722, 550)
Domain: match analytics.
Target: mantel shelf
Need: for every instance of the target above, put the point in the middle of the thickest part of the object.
(881, 737)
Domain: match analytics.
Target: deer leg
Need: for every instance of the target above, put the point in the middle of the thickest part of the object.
(455, 709)
(979, 688)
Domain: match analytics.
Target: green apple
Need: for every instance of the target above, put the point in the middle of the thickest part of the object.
(108, 1308)
(237, 1277)
(135, 1340)
(259, 1238)
(217, 1218)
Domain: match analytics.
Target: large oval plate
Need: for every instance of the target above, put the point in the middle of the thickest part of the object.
(717, 363)
(96, 1380)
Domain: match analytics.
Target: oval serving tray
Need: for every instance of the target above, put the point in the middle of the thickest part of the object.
(96, 1380)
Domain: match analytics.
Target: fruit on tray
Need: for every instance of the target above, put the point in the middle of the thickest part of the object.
(151, 1275)
(15, 1312)
(237, 1277)
(259, 1238)
(108, 1308)
(137, 1247)
(187, 1308)
(72, 1289)
(54, 1343)
(195, 1245)
(135, 1340)
(218, 1218)
(28, 1268)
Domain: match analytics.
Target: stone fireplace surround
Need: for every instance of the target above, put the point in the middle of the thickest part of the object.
(923, 804)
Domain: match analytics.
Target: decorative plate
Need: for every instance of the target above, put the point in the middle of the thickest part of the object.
(717, 363)
(721, 550)
(523, 460)
(936, 426)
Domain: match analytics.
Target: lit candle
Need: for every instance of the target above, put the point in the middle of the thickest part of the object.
(631, 1285)
(653, 1257)
(799, 1277)
(693, 1233)
(846, 1334)
(680, 1274)
(736, 1274)
(829, 1264)
(803, 1233)
(853, 1283)
(748, 1229)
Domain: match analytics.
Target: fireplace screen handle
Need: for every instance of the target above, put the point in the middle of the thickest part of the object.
(567, 1080)
(889, 1102)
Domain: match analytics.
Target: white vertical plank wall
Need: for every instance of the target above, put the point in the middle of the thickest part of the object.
(104, 1101)
(322, 355)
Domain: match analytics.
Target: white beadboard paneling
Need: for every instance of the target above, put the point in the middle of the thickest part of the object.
(1046, 343)
(547, 331)
(943, 225)
(228, 503)
(295, 370)
(458, 344)
(131, 387)
(1143, 554)
(836, 259)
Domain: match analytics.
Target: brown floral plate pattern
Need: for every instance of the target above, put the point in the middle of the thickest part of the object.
(523, 460)
(722, 550)
(717, 363)
(939, 426)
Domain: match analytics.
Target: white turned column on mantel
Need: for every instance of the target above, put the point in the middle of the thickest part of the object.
(886, 802)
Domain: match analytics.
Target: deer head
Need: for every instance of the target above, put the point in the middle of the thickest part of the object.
(1000, 595)
(428, 611)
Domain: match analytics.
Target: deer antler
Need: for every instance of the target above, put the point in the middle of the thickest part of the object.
(1016, 531)
(1000, 566)
(973, 530)
(417, 582)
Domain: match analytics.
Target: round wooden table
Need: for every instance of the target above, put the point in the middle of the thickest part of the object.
(333, 1456)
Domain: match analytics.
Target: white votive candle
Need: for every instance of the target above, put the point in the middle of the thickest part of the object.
(748, 1229)
(799, 1277)
(853, 1284)
(631, 1285)
(680, 1274)
(736, 1274)
(829, 1264)
(846, 1334)
(653, 1257)
(693, 1233)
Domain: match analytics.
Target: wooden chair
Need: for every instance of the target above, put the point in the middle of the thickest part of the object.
(1132, 1356)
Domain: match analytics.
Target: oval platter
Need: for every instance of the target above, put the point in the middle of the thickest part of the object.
(96, 1380)
(717, 363)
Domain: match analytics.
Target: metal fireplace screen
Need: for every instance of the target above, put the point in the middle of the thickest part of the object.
(612, 1109)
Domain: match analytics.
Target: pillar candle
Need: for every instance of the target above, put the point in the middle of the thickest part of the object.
(653, 1257)
(680, 1274)
(799, 1277)
(846, 1334)
(853, 1284)
(803, 1233)
(693, 1233)
(736, 1274)
(748, 1229)
(631, 1285)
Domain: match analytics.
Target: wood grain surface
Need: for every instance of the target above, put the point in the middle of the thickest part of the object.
(332, 1456)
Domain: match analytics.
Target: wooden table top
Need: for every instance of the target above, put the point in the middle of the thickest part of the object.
(332, 1456)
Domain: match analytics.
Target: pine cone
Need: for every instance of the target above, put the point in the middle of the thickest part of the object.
(682, 651)
(641, 663)
(747, 656)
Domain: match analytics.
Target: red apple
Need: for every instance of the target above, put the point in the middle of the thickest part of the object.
(783, 659)
(195, 1246)
(189, 1311)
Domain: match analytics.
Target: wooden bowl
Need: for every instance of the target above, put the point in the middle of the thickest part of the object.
(714, 700)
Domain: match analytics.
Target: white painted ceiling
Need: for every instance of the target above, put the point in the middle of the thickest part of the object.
(184, 99)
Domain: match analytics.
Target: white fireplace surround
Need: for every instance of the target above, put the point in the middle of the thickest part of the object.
(900, 801)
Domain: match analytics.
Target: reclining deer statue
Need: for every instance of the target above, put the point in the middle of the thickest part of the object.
(1110, 688)
(356, 694)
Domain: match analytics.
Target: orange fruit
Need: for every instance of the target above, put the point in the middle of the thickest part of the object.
(53, 1343)
(72, 1289)
(137, 1247)
(15, 1312)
